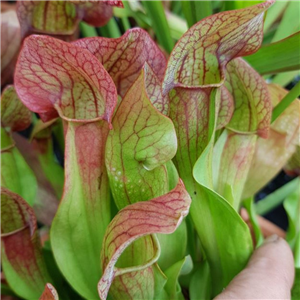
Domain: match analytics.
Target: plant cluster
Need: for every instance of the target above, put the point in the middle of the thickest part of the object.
(160, 154)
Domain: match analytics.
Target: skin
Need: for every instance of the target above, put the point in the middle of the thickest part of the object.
(268, 275)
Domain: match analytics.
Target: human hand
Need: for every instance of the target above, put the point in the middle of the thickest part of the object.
(268, 275)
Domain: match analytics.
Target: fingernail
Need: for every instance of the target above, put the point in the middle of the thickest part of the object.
(271, 239)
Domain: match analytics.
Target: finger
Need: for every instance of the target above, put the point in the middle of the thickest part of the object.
(268, 275)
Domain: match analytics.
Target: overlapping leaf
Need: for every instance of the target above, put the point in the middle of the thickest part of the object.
(196, 69)
(273, 153)
(124, 57)
(160, 215)
(54, 75)
(142, 141)
(22, 260)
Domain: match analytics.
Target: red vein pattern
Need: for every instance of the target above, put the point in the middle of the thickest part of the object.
(14, 114)
(154, 91)
(124, 57)
(22, 260)
(272, 154)
(252, 102)
(54, 75)
(10, 44)
(160, 215)
(235, 161)
(226, 108)
(200, 56)
(142, 141)
(52, 17)
(49, 293)
(86, 202)
(189, 110)
(61, 18)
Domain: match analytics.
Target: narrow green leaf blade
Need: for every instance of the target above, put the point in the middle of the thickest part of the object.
(289, 23)
(277, 57)
(249, 205)
(292, 207)
(159, 23)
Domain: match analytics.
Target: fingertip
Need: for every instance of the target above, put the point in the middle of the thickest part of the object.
(269, 273)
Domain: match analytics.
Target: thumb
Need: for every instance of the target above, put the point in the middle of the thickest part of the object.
(268, 275)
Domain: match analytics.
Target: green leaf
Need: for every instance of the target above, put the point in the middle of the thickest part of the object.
(292, 207)
(159, 23)
(173, 247)
(296, 286)
(160, 215)
(77, 240)
(194, 75)
(274, 13)
(200, 284)
(138, 147)
(209, 210)
(276, 198)
(234, 152)
(285, 78)
(289, 23)
(110, 30)
(17, 176)
(77, 87)
(249, 205)
(172, 286)
(195, 11)
(25, 270)
(277, 57)
(286, 101)
(87, 30)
